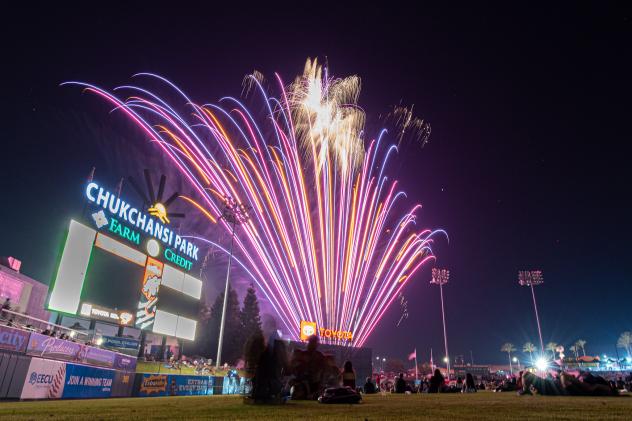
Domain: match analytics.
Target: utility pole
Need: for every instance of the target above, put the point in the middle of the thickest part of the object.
(440, 277)
(532, 278)
(234, 214)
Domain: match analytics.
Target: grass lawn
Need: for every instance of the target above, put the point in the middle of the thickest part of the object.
(485, 405)
(158, 367)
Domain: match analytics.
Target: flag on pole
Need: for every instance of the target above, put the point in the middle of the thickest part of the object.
(413, 355)
(416, 369)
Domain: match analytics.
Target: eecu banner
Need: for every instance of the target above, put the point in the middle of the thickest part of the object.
(83, 381)
(44, 379)
(14, 340)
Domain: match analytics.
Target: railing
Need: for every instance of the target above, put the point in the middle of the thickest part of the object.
(33, 324)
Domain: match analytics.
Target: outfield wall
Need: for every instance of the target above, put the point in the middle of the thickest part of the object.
(36, 366)
(27, 377)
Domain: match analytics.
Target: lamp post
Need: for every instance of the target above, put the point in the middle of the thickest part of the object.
(440, 277)
(516, 360)
(532, 278)
(234, 214)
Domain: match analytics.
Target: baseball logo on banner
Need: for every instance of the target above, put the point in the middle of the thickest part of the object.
(45, 380)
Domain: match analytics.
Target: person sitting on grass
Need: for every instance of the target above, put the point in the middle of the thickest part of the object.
(535, 385)
(348, 375)
(437, 382)
(309, 368)
(469, 386)
(588, 385)
(331, 375)
(266, 363)
(369, 387)
(400, 384)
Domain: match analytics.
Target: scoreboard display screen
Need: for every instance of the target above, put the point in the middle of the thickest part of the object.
(111, 282)
(103, 278)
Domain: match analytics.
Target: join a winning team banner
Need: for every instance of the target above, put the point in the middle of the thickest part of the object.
(47, 379)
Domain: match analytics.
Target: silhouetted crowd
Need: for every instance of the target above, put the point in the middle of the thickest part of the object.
(312, 374)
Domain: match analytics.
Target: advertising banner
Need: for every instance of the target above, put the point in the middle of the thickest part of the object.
(120, 343)
(44, 380)
(122, 385)
(231, 385)
(124, 362)
(175, 385)
(97, 356)
(83, 381)
(48, 347)
(190, 385)
(59, 349)
(153, 385)
(14, 340)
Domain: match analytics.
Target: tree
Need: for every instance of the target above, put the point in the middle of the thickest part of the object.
(581, 344)
(508, 348)
(249, 316)
(551, 346)
(233, 340)
(529, 348)
(574, 349)
(625, 342)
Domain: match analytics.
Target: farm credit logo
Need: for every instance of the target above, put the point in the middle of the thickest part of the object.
(309, 328)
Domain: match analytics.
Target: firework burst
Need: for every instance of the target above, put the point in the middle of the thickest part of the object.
(327, 240)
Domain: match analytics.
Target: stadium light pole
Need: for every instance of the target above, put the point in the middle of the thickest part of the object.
(234, 214)
(440, 277)
(532, 278)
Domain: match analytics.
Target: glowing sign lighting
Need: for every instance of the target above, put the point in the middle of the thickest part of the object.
(66, 292)
(136, 218)
(116, 247)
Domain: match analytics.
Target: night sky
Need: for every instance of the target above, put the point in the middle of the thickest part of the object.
(526, 168)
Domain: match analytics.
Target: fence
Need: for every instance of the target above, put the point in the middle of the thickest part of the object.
(37, 366)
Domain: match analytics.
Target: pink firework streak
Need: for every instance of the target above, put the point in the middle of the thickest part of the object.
(325, 242)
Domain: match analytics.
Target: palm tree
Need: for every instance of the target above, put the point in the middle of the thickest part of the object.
(551, 347)
(625, 342)
(574, 349)
(581, 344)
(530, 348)
(508, 348)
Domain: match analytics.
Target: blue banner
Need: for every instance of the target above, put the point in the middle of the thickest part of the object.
(120, 343)
(87, 382)
(174, 385)
(231, 385)
(190, 385)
